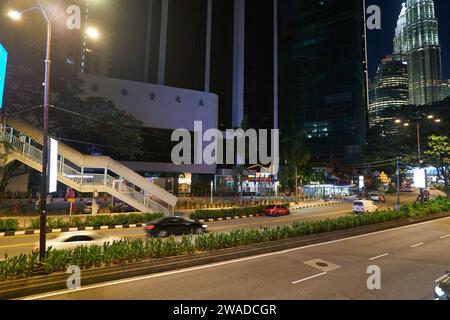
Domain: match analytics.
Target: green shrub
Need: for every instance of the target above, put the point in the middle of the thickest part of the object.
(126, 251)
(227, 213)
(9, 225)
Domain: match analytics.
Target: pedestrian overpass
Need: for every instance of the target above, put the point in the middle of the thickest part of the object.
(85, 173)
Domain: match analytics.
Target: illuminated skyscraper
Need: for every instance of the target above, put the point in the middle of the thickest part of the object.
(417, 38)
(390, 89)
(446, 89)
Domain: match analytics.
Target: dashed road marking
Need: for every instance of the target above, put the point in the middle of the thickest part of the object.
(446, 236)
(310, 278)
(417, 245)
(441, 278)
(378, 257)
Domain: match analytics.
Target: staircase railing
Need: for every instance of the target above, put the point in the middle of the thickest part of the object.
(24, 146)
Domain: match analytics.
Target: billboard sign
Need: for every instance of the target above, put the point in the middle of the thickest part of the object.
(420, 178)
(3, 60)
(53, 179)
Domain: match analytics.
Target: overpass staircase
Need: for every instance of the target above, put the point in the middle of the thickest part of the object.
(85, 173)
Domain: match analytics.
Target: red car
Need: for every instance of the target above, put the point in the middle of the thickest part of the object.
(276, 211)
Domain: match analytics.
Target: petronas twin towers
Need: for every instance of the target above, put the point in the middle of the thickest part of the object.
(417, 41)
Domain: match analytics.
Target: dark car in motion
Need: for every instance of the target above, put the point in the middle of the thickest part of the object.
(165, 227)
(442, 290)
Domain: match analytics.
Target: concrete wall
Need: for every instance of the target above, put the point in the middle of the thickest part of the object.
(156, 106)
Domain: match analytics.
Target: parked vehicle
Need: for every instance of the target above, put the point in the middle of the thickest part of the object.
(442, 290)
(168, 226)
(364, 206)
(276, 211)
(75, 239)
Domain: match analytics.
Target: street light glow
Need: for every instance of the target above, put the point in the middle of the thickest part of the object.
(14, 15)
(406, 124)
(438, 120)
(398, 121)
(92, 33)
(431, 117)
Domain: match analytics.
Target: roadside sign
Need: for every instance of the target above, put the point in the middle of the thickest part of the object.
(3, 61)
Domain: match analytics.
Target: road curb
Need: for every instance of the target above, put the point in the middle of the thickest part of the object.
(139, 225)
(260, 215)
(63, 230)
(318, 205)
(50, 283)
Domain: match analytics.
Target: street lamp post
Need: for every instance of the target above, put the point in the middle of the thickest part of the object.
(418, 128)
(44, 179)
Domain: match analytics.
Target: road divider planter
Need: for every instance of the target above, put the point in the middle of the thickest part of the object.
(127, 251)
(11, 227)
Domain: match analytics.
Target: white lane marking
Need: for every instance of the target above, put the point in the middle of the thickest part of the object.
(441, 278)
(378, 257)
(112, 283)
(309, 278)
(417, 245)
(444, 237)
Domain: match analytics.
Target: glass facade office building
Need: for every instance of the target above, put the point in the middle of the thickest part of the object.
(323, 78)
(390, 89)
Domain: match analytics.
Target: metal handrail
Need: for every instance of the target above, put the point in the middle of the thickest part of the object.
(82, 179)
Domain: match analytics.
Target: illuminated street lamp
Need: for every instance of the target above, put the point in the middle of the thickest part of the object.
(16, 15)
(418, 120)
(93, 33)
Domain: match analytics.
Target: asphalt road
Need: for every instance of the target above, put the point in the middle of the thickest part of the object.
(16, 245)
(410, 259)
(13, 246)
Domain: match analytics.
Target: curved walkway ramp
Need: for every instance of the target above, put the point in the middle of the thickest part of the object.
(85, 173)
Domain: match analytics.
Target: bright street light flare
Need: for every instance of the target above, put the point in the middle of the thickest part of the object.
(92, 33)
(14, 15)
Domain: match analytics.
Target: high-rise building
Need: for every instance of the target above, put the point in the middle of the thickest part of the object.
(417, 38)
(390, 89)
(446, 89)
(323, 76)
(220, 46)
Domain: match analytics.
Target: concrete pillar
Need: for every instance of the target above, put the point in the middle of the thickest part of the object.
(163, 42)
(238, 62)
(208, 46)
(275, 64)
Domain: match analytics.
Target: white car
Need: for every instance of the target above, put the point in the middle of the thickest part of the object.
(364, 206)
(75, 239)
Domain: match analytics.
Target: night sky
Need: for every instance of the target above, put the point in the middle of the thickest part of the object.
(381, 41)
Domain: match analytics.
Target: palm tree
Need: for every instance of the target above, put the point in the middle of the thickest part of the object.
(297, 154)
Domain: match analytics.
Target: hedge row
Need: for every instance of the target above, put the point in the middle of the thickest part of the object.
(77, 222)
(8, 225)
(227, 213)
(127, 251)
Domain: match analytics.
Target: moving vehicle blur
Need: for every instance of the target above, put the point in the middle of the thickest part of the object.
(165, 227)
(364, 206)
(72, 240)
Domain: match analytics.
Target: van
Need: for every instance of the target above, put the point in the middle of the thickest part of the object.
(363, 206)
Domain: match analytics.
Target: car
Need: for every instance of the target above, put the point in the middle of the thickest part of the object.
(276, 211)
(377, 197)
(442, 289)
(168, 226)
(76, 239)
(364, 206)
